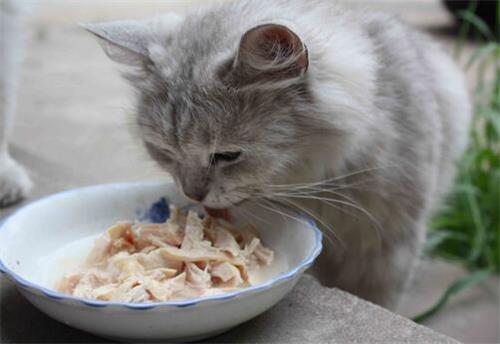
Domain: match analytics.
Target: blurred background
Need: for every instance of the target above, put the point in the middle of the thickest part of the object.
(74, 127)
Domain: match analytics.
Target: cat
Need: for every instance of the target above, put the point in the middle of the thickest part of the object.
(15, 182)
(352, 117)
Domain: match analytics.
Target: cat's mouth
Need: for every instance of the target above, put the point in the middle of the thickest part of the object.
(221, 213)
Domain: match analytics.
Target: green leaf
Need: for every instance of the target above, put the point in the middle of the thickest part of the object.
(464, 31)
(477, 23)
(436, 238)
(480, 231)
(467, 230)
(455, 288)
(490, 48)
(492, 117)
(466, 188)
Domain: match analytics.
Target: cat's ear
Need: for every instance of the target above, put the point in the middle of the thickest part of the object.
(124, 42)
(128, 42)
(271, 52)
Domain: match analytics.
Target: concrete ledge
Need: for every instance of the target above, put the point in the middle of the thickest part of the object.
(311, 313)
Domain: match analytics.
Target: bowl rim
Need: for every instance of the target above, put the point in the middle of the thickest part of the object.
(58, 296)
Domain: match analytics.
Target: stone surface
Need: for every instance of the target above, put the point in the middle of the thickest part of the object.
(310, 313)
(74, 128)
(471, 316)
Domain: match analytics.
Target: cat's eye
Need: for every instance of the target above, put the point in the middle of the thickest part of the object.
(226, 156)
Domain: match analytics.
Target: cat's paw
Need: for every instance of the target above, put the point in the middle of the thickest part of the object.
(15, 183)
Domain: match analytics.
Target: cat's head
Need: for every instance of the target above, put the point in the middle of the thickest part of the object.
(223, 117)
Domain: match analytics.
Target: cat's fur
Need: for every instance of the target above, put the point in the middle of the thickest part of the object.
(14, 181)
(369, 111)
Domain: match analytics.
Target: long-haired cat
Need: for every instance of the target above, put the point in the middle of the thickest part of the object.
(353, 118)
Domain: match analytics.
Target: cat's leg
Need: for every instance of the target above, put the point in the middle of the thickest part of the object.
(377, 277)
(386, 278)
(14, 181)
(377, 271)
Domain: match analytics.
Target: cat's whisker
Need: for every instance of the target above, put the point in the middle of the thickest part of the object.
(244, 214)
(329, 201)
(321, 189)
(274, 210)
(327, 181)
(250, 214)
(329, 229)
(211, 160)
(324, 199)
(310, 196)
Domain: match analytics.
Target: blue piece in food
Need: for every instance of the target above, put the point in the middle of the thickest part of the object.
(159, 211)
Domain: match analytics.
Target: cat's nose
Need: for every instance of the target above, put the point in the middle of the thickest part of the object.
(195, 185)
(196, 194)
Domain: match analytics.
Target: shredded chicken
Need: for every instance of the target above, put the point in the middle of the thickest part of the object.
(227, 273)
(182, 258)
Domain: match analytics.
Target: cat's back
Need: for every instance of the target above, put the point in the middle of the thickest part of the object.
(414, 57)
(425, 93)
(309, 17)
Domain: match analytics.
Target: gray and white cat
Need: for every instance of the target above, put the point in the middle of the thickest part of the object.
(352, 117)
(14, 181)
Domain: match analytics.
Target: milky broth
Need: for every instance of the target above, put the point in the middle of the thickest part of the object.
(49, 270)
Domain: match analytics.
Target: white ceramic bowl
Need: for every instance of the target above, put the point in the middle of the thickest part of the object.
(44, 239)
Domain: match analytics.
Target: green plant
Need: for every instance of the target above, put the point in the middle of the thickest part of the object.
(467, 231)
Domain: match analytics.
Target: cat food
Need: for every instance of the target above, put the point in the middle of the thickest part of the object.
(185, 257)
